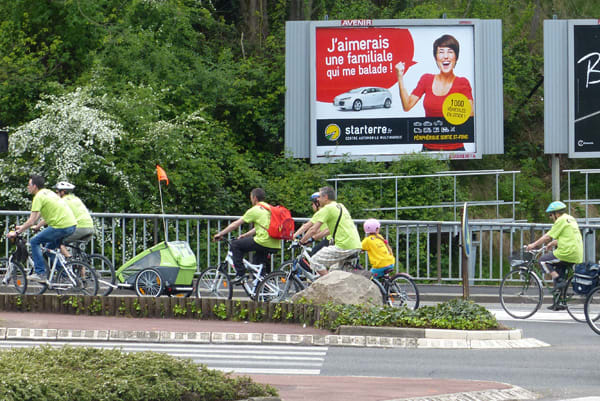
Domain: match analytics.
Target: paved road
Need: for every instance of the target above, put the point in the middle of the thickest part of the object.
(565, 371)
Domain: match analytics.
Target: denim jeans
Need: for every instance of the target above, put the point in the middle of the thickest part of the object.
(51, 238)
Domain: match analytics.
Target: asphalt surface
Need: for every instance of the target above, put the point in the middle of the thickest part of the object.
(291, 387)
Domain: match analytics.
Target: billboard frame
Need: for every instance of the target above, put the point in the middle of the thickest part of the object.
(401, 24)
(571, 24)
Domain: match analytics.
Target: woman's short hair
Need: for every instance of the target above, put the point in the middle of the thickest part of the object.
(446, 41)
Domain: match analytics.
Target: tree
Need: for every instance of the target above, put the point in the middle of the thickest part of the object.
(72, 139)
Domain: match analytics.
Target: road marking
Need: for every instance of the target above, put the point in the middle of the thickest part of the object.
(245, 359)
(560, 316)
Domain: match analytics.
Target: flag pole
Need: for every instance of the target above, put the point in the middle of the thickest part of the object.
(161, 175)
(162, 209)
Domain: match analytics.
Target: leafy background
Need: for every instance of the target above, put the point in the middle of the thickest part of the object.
(99, 91)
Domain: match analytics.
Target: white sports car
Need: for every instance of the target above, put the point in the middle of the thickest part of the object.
(364, 97)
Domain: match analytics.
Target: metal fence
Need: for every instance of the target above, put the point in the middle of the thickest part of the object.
(428, 250)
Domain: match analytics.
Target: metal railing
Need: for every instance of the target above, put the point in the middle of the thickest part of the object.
(428, 250)
(455, 203)
(587, 201)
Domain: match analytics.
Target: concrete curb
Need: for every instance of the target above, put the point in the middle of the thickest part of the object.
(428, 339)
(510, 394)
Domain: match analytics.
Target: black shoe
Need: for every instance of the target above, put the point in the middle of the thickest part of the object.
(238, 279)
(557, 307)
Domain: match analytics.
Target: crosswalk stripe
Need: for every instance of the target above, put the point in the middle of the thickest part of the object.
(270, 371)
(245, 359)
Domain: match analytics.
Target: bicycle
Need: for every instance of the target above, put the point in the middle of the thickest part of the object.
(11, 269)
(521, 289)
(400, 289)
(592, 309)
(291, 277)
(396, 291)
(215, 282)
(105, 270)
(67, 277)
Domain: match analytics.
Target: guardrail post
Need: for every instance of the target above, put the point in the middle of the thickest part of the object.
(439, 253)
(465, 273)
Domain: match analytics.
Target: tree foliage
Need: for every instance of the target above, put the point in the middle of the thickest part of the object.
(98, 92)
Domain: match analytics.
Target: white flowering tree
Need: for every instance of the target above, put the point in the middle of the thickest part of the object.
(72, 139)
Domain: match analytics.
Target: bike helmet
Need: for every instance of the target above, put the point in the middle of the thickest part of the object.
(315, 197)
(371, 226)
(64, 186)
(556, 206)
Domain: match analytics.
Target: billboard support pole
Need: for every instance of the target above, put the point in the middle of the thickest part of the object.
(555, 177)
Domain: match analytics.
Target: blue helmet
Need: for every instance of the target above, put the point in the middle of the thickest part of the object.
(315, 197)
(556, 206)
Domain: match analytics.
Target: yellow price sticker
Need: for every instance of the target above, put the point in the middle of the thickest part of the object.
(456, 108)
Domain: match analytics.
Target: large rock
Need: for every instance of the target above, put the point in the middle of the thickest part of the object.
(340, 287)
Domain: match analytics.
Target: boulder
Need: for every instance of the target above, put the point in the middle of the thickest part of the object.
(340, 287)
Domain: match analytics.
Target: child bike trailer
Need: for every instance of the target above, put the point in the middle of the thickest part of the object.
(167, 267)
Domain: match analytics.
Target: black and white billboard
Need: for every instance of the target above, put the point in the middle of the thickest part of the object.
(584, 99)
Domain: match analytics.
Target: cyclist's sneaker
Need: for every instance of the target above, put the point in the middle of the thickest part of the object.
(557, 307)
(36, 277)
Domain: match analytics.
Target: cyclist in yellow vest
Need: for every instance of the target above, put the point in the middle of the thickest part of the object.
(55, 212)
(566, 237)
(85, 223)
(380, 253)
(346, 240)
(257, 239)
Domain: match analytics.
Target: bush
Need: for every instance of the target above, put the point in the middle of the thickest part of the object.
(455, 314)
(89, 374)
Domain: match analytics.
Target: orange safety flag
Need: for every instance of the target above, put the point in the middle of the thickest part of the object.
(162, 176)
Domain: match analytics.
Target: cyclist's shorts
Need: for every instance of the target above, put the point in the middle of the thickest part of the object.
(553, 263)
(380, 271)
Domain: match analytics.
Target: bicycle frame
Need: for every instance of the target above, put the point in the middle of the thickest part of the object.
(256, 272)
(58, 257)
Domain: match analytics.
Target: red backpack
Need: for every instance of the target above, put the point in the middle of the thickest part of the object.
(282, 224)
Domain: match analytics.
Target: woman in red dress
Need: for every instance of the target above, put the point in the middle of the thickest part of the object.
(437, 87)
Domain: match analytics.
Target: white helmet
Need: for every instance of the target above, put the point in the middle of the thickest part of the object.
(64, 186)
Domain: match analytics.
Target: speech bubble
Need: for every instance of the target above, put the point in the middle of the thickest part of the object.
(349, 58)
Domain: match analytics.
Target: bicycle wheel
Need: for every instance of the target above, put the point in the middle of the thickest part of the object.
(87, 279)
(214, 283)
(403, 292)
(521, 293)
(575, 302)
(13, 276)
(149, 283)
(76, 278)
(276, 287)
(287, 266)
(105, 271)
(591, 309)
(382, 290)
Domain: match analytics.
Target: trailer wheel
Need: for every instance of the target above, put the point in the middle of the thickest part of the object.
(149, 283)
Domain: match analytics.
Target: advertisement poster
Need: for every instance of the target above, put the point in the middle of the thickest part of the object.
(586, 46)
(394, 91)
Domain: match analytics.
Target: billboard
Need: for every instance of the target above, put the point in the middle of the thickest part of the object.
(386, 90)
(584, 78)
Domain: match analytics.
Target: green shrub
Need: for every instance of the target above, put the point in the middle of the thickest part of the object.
(455, 314)
(90, 374)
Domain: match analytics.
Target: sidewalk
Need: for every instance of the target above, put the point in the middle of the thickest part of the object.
(291, 388)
